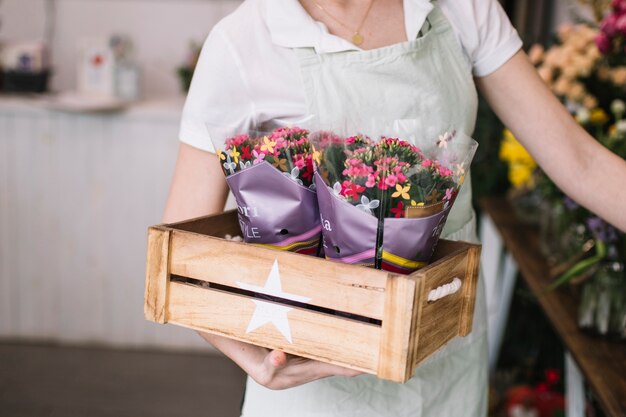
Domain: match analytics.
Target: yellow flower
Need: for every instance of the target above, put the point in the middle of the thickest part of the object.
(317, 156)
(598, 116)
(268, 145)
(414, 204)
(521, 175)
(402, 191)
(513, 151)
(521, 163)
(221, 154)
(235, 155)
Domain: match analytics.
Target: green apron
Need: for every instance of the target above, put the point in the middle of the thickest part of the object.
(430, 80)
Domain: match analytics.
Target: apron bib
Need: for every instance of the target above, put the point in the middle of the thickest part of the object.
(427, 79)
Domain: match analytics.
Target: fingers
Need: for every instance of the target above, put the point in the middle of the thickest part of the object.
(335, 370)
(280, 370)
(277, 359)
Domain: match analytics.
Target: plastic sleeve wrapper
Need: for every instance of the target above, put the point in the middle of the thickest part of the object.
(384, 202)
(271, 177)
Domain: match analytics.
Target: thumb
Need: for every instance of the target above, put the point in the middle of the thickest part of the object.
(276, 359)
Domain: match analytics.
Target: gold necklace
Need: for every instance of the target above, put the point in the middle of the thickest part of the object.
(357, 38)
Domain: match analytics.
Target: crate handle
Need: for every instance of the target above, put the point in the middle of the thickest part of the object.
(445, 290)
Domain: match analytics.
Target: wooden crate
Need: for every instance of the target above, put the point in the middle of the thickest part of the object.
(357, 317)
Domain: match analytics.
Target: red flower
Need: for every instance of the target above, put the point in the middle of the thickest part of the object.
(307, 173)
(398, 210)
(245, 152)
(552, 376)
(353, 190)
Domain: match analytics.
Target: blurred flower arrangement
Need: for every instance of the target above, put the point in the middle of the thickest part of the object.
(586, 70)
(540, 400)
(185, 71)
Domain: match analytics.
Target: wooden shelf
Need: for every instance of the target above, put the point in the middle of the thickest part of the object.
(602, 362)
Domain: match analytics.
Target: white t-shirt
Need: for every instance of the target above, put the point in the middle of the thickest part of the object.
(248, 73)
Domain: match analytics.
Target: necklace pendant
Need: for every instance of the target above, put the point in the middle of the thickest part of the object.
(357, 39)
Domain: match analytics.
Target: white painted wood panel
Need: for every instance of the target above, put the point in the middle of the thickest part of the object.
(77, 193)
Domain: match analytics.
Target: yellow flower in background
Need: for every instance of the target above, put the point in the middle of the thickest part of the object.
(598, 117)
(221, 155)
(521, 175)
(513, 151)
(521, 163)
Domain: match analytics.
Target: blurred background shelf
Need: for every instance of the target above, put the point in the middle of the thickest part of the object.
(602, 362)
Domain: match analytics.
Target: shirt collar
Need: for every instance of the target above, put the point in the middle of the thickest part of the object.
(291, 26)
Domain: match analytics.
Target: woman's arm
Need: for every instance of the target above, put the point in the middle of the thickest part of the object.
(198, 189)
(578, 164)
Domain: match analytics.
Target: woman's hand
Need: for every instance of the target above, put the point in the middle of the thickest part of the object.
(272, 368)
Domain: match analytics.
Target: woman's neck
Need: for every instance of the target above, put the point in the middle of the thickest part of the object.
(377, 23)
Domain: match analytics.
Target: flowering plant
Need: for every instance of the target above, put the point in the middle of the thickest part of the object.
(393, 171)
(271, 177)
(384, 202)
(288, 149)
(586, 70)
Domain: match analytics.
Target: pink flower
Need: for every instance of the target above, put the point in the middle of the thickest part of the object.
(448, 195)
(391, 180)
(445, 172)
(299, 162)
(621, 24)
(371, 181)
(609, 25)
(258, 157)
(603, 42)
(236, 141)
(426, 163)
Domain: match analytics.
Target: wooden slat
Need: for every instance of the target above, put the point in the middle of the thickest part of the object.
(602, 362)
(157, 275)
(400, 314)
(447, 247)
(218, 225)
(315, 335)
(346, 288)
(469, 290)
(440, 319)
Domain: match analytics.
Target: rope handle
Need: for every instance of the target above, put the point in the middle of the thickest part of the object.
(445, 290)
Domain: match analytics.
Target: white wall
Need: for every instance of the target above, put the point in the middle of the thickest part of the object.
(77, 194)
(161, 30)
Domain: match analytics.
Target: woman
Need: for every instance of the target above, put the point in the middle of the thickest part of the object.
(381, 60)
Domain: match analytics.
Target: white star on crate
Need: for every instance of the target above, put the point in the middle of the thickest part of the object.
(271, 312)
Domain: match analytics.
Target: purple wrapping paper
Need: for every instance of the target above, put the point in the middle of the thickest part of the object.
(350, 233)
(270, 203)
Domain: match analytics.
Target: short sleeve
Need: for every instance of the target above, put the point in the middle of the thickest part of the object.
(485, 32)
(218, 95)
